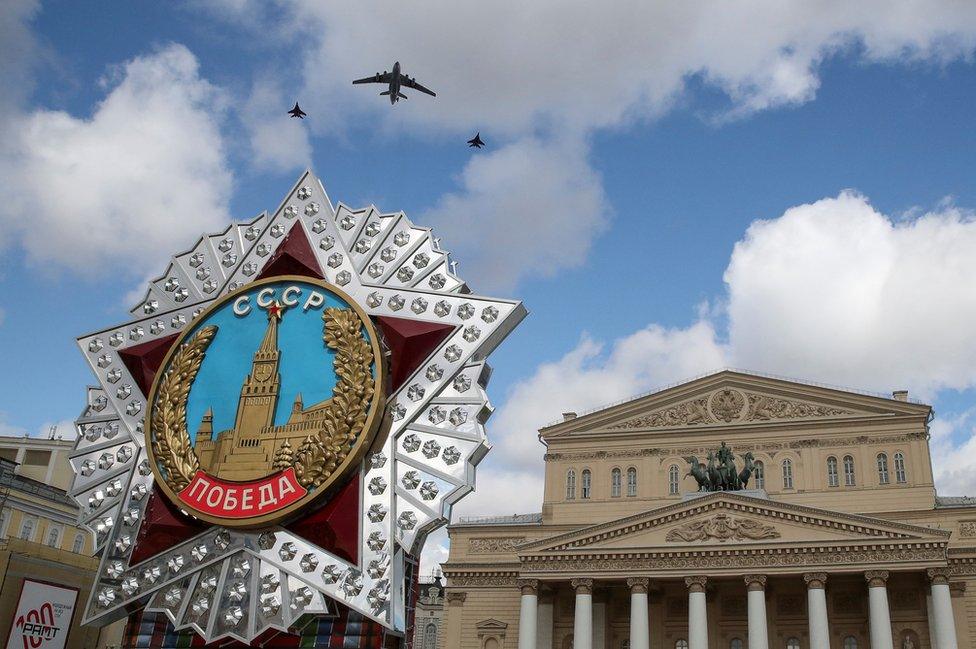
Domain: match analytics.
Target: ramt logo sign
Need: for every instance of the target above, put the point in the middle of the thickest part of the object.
(42, 617)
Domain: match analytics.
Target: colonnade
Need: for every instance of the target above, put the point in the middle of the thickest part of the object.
(941, 620)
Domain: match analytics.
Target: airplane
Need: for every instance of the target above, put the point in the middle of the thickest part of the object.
(476, 141)
(297, 112)
(396, 80)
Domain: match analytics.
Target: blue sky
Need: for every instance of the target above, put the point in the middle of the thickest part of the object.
(783, 188)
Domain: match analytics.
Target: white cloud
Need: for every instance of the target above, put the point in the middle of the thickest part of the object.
(64, 429)
(528, 208)
(278, 142)
(838, 292)
(141, 177)
(585, 65)
(19, 50)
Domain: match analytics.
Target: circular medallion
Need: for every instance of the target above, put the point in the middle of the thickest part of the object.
(727, 405)
(270, 398)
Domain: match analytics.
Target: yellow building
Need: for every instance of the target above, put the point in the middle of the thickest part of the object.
(39, 533)
(839, 541)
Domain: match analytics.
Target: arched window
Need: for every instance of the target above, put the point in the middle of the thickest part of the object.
(735, 643)
(27, 529)
(673, 479)
(571, 484)
(900, 474)
(430, 636)
(615, 483)
(882, 468)
(631, 481)
(759, 475)
(832, 479)
(787, 474)
(849, 479)
(793, 643)
(850, 642)
(79, 543)
(681, 643)
(54, 537)
(586, 486)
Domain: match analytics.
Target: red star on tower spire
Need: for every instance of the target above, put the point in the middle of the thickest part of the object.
(276, 310)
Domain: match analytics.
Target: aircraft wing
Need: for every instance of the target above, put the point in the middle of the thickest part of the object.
(412, 83)
(376, 78)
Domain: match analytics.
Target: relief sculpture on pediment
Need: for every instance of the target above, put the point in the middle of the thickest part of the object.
(722, 527)
(727, 405)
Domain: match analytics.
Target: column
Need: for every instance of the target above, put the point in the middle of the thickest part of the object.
(452, 618)
(817, 610)
(941, 616)
(756, 597)
(697, 613)
(640, 634)
(583, 623)
(878, 605)
(527, 612)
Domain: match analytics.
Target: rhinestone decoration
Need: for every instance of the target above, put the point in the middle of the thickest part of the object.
(401, 239)
(200, 606)
(451, 455)
(395, 303)
(421, 260)
(410, 479)
(407, 520)
(458, 416)
(377, 460)
(106, 597)
(375, 542)
(199, 553)
(442, 308)
(428, 490)
(372, 229)
(377, 567)
(304, 193)
(335, 260)
(236, 591)
(471, 333)
(411, 443)
(388, 254)
(377, 485)
(437, 415)
(465, 311)
(434, 372)
(173, 597)
(343, 277)
(318, 226)
(269, 583)
(291, 212)
(331, 573)
(415, 392)
(452, 353)
(374, 299)
(233, 615)
(419, 305)
(270, 605)
(222, 540)
(251, 233)
(277, 231)
(311, 209)
(352, 584)
(347, 223)
(376, 513)
(326, 243)
(431, 448)
(287, 551)
(462, 383)
(309, 563)
(405, 274)
(301, 597)
(267, 541)
(437, 281)
(363, 245)
(399, 411)
(374, 270)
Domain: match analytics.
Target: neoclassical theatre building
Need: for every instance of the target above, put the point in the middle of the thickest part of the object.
(839, 542)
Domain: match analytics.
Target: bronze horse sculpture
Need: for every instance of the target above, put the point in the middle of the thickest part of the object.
(720, 472)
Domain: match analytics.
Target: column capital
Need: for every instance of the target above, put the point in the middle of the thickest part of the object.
(938, 575)
(755, 582)
(638, 584)
(696, 584)
(815, 579)
(528, 586)
(876, 578)
(582, 585)
(456, 596)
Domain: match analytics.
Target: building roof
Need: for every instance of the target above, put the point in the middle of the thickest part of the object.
(10, 480)
(515, 519)
(948, 502)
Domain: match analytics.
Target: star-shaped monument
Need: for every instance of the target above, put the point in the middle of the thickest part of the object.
(343, 556)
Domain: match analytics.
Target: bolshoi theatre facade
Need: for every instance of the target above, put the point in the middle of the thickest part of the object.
(839, 539)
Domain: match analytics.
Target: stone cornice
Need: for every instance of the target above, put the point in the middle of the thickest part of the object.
(765, 447)
(849, 559)
(733, 502)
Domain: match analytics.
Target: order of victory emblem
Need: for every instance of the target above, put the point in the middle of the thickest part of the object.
(295, 404)
(265, 402)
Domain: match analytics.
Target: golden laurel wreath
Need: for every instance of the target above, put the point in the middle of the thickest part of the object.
(320, 454)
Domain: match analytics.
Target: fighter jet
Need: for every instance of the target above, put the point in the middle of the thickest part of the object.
(297, 112)
(476, 141)
(395, 80)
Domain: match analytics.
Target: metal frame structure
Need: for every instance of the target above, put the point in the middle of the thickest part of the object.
(228, 583)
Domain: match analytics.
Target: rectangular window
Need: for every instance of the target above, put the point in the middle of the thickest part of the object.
(9, 454)
(37, 458)
(631, 482)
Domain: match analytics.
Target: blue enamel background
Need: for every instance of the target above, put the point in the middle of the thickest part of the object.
(305, 363)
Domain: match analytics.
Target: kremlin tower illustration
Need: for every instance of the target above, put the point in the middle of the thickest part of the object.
(249, 450)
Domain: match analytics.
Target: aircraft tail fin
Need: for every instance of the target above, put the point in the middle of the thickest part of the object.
(385, 92)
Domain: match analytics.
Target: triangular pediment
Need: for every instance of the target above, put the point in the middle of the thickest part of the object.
(730, 398)
(727, 519)
(491, 624)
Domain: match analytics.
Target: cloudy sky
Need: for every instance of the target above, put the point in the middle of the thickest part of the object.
(671, 188)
